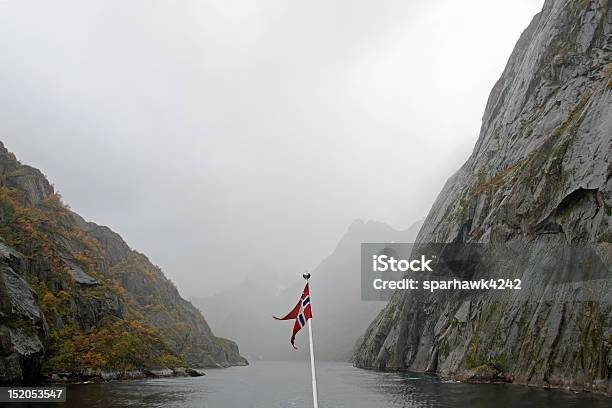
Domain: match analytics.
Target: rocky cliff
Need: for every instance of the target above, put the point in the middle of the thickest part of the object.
(539, 173)
(75, 298)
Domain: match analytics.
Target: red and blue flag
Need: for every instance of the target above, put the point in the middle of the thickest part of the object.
(301, 313)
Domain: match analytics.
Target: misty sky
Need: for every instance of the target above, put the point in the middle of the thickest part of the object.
(219, 135)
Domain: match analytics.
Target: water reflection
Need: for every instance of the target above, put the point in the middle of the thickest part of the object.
(287, 384)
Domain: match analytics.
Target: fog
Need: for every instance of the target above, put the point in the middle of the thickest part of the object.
(340, 313)
(219, 135)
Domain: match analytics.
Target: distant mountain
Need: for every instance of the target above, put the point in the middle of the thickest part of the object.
(340, 316)
(246, 310)
(75, 298)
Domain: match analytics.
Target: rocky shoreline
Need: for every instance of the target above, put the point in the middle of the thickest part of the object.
(91, 376)
(491, 375)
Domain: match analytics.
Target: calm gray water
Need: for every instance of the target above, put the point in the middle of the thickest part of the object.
(287, 384)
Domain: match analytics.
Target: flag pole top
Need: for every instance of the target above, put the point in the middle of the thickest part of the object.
(306, 275)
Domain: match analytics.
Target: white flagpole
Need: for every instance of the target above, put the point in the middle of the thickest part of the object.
(313, 373)
(312, 367)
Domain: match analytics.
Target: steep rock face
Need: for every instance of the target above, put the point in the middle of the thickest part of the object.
(22, 325)
(74, 297)
(539, 174)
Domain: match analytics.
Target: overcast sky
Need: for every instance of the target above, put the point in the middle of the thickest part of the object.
(218, 135)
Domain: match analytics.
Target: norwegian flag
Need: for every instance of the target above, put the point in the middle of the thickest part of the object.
(301, 313)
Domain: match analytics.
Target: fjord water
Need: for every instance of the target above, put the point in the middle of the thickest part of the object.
(287, 385)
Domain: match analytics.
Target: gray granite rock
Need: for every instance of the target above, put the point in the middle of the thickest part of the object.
(21, 296)
(32, 182)
(539, 174)
(22, 324)
(79, 275)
